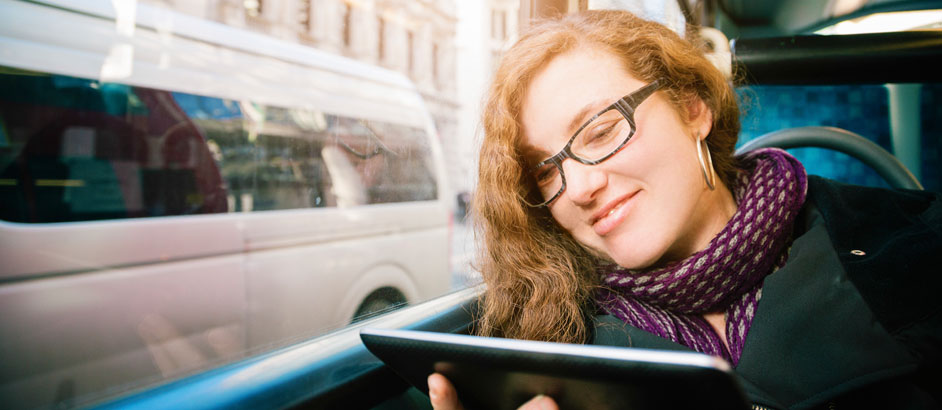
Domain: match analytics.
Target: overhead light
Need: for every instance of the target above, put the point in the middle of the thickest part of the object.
(887, 22)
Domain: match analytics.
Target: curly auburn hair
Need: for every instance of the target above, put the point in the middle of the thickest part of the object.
(540, 281)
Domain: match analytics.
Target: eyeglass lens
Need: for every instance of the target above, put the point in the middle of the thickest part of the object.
(595, 141)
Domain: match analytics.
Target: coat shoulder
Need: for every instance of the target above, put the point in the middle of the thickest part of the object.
(890, 243)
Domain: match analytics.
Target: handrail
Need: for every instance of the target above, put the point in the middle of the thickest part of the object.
(841, 140)
(876, 58)
(331, 371)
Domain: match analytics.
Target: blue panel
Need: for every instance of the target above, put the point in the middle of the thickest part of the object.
(862, 109)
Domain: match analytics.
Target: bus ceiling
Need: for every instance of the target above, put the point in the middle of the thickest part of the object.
(771, 18)
(741, 18)
(779, 42)
(875, 58)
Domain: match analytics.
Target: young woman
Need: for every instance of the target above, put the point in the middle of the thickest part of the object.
(613, 211)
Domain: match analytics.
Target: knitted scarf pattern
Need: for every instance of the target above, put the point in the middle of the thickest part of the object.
(726, 276)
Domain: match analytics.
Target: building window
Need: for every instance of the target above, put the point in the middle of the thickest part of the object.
(410, 43)
(304, 15)
(498, 24)
(347, 17)
(493, 23)
(253, 8)
(381, 38)
(435, 77)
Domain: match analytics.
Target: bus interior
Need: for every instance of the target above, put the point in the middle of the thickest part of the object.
(840, 100)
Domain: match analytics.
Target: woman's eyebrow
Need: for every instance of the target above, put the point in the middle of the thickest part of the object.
(589, 109)
(533, 152)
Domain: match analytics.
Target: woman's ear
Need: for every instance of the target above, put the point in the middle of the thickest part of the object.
(699, 117)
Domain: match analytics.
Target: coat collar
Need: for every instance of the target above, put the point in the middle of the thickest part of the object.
(814, 336)
(888, 242)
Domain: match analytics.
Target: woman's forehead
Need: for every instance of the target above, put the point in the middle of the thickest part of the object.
(569, 90)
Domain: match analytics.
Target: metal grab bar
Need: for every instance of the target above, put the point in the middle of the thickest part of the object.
(841, 140)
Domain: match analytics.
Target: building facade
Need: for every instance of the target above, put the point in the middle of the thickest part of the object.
(485, 30)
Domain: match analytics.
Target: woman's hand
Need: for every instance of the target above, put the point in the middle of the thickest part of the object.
(444, 396)
(442, 393)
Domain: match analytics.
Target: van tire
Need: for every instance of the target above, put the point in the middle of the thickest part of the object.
(380, 301)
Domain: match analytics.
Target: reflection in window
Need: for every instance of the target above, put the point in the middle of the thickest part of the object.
(84, 150)
(382, 160)
(80, 150)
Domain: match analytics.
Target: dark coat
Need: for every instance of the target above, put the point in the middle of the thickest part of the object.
(854, 318)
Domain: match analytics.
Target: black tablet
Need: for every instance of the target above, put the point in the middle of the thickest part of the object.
(494, 373)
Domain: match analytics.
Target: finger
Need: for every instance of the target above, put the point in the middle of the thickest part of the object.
(540, 402)
(442, 393)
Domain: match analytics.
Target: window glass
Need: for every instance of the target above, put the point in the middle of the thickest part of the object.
(80, 150)
(194, 186)
(143, 303)
(389, 160)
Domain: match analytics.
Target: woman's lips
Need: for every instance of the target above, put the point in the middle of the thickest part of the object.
(613, 214)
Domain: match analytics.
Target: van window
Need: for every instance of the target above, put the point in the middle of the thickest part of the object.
(78, 150)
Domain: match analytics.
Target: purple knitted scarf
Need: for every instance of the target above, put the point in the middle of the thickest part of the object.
(726, 276)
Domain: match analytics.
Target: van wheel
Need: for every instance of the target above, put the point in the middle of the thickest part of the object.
(380, 301)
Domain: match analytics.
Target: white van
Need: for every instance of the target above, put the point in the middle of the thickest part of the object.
(176, 194)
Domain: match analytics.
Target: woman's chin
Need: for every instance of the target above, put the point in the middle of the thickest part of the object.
(634, 261)
(633, 251)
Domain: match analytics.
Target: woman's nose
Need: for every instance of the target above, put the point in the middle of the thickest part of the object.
(583, 182)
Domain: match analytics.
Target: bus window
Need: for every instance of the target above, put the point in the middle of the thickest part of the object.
(222, 194)
(86, 151)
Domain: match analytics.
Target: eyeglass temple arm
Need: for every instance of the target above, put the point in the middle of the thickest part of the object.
(628, 104)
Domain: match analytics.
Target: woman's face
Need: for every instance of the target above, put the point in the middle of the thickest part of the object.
(649, 203)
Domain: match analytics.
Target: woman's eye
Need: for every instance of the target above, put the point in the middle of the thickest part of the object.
(545, 173)
(601, 134)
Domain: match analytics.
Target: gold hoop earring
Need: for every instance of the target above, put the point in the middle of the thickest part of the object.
(711, 179)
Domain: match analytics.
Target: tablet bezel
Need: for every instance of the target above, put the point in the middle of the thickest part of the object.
(496, 373)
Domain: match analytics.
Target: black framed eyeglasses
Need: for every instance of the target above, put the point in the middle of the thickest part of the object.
(601, 137)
